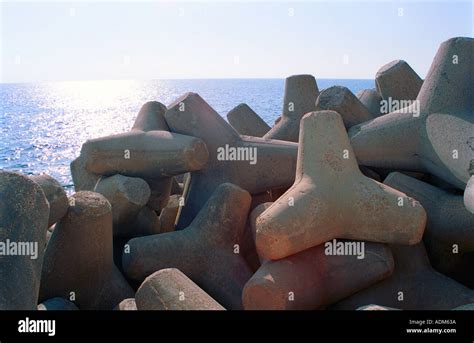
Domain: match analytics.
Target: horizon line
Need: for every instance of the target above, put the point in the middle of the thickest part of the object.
(178, 79)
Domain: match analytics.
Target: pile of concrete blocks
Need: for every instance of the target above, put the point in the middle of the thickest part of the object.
(340, 205)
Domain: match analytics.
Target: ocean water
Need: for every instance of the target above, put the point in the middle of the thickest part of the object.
(43, 125)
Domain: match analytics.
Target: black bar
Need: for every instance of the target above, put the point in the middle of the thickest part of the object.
(377, 326)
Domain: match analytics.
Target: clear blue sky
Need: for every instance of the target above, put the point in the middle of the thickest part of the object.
(69, 40)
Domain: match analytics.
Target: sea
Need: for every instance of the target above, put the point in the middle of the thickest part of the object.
(43, 125)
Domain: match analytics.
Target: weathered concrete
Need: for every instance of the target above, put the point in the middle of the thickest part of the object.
(274, 166)
(469, 195)
(256, 212)
(24, 213)
(57, 304)
(438, 137)
(127, 195)
(397, 80)
(268, 196)
(301, 92)
(146, 223)
(55, 195)
(469, 191)
(160, 192)
(344, 102)
(169, 213)
(422, 287)
(151, 117)
(207, 251)
(78, 257)
(371, 100)
(128, 304)
(170, 289)
(449, 234)
(82, 179)
(248, 248)
(148, 155)
(311, 280)
(332, 199)
(246, 122)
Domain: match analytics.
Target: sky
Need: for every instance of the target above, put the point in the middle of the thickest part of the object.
(107, 40)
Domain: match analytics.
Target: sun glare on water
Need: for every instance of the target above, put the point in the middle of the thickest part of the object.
(56, 118)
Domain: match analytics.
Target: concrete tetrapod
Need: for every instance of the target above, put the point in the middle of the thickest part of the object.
(247, 246)
(24, 213)
(301, 92)
(207, 251)
(331, 198)
(449, 234)
(148, 115)
(371, 100)
(55, 194)
(434, 134)
(152, 117)
(398, 81)
(414, 285)
(78, 257)
(160, 192)
(246, 122)
(82, 179)
(169, 213)
(146, 222)
(147, 155)
(148, 151)
(311, 279)
(249, 237)
(253, 163)
(127, 195)
(344, 102)
(170, 289)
